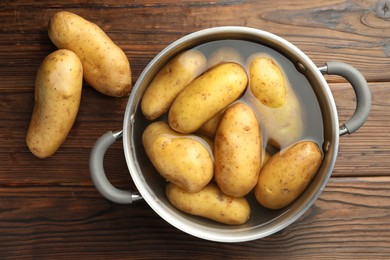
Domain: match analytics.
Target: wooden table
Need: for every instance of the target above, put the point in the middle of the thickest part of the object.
(50, 209)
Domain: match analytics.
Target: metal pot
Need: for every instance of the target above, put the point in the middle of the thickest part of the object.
(263, 222)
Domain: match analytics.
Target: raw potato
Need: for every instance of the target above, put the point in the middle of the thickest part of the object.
(106, 67)
(284, 125)
(58, 87)
(267, 81)
(224, 54)
(204, 97)
(210, 203)
(266, 156)
(287, 173)
(170, 81)
(185, 160)
(208, 140)
(237, 151)
(209, 128)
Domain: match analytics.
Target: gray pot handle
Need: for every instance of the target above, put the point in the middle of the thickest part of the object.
(362, 92)
(98, 175)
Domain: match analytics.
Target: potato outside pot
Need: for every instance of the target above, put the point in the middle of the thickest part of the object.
(263, 222)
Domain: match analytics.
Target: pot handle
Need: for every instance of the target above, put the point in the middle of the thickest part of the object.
(98, 175)
(362, 92)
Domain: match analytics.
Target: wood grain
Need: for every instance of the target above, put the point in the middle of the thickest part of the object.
(49, 208)
(356, 29)
(74, 222)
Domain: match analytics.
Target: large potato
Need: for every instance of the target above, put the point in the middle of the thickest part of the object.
(267, 81)
(185, 160)
(106, 67)
(287, 173)
(208, 94)
(58, 87)
(283, 125)
(170, 81)
(237, 151)
(210, 203)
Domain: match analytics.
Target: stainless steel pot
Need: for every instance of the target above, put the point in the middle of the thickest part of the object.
(263, 222)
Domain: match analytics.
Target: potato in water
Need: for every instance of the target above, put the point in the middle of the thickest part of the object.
(224, 54)
(237, 151)
(210, 203)
(170, 81)
(278, 106)
(209, 128)
(207, 95)
(287, 173)
(181, 159)
(283, 125)
(267, 81)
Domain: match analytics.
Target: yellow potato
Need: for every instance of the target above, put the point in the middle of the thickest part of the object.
(267, 81)
(185, 160)
(209, 128)
(170, 81)
(105, 65)
(204, 97)
(287, 173)
(58, 87)
(224, 54)
(284, 125)
(210, 203)
(266, 156)
(237, 151)
(208, 140)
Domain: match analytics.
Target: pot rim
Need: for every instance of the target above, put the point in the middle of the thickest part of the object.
(246, 233)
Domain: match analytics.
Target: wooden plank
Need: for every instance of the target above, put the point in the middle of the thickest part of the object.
(49, 208)
(364, 153)
(350, 31)
(74, 221)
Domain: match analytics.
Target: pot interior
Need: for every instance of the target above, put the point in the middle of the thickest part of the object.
(321, 126)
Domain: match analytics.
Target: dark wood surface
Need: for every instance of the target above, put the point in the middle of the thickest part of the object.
(49, 208)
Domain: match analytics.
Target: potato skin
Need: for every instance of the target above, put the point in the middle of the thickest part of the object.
(267, 81)
(284, 125)
(266, 156)
(209, 128)
(58, 88)
(206, 96)
(287, 173)
(170, 81)
(106, 67)
(237, 151)
(181, 159)
(210, 203)
(224, 54)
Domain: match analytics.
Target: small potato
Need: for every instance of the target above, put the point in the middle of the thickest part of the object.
(181, 159)
(209, 128)
(170, 81)
(224, 54)
(267, 81)
(106, 67)
(208, 140)
(210, 203)
(266, 156)
(237, 151)
(287, 173)
(58, 88)
(204, 97)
